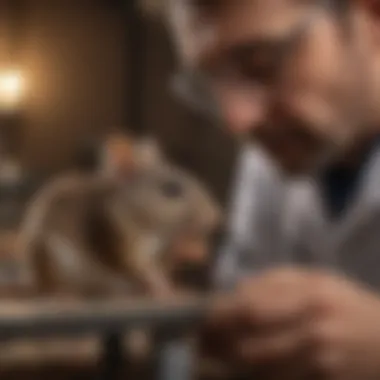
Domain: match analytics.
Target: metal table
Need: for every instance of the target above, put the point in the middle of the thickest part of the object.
(29, 319)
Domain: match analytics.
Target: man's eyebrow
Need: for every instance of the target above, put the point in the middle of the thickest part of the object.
(259, 46)
(207, 4)
(267, 44)
(245, 50)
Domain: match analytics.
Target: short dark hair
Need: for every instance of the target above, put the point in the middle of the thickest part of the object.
(339, 6)
(208, 5)
(340, 9)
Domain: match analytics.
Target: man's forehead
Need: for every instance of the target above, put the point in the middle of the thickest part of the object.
(198, 29)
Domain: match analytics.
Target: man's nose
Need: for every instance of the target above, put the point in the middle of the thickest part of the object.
(242, 112)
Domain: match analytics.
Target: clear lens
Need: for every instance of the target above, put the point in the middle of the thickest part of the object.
(193, 93)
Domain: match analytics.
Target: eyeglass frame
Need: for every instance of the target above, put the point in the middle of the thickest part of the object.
(192, 88)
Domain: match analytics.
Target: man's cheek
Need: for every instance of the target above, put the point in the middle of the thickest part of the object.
(242, 112)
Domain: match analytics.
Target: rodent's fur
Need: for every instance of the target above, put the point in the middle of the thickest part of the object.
(111, 233)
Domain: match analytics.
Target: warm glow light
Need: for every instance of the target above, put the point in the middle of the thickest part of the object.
(11, 90)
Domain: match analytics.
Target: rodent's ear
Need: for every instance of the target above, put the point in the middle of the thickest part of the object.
(147, 153)
(118, 154)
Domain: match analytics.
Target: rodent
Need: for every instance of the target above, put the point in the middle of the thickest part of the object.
(118, 230)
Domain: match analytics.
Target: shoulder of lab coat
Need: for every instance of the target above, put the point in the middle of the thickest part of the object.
(255, 191)
(272, 222)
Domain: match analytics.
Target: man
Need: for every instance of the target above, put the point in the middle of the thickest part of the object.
(299, 80)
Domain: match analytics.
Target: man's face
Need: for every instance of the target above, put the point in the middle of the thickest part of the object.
(289, 74)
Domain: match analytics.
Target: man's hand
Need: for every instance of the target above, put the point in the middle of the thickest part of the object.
(299, 324)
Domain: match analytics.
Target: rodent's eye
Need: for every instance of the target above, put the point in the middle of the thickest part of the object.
(172, 189)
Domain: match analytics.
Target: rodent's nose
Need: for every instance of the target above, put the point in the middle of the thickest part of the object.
(172, 189)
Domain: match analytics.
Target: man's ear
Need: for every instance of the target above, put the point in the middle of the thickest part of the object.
(371, 10)
(372, 5)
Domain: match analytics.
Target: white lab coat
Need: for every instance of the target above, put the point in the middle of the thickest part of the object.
(274, 221)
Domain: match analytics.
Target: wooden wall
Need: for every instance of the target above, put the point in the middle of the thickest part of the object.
(194, 142)
(74, 56)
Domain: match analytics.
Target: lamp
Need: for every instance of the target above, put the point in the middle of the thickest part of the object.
(11, 96)
(11, 91)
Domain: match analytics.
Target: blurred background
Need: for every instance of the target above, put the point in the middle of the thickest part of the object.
(72, 69)
(69, 71)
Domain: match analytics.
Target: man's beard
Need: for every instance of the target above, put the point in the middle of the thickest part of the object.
(296, 151)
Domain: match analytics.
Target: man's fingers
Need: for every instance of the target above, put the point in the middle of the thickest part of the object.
(224, 310)
(220, 325)
(274, 310)
(282, 355)
(276, 346)
(281, 296)
(268, 309)
(284, 370)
